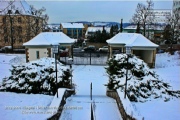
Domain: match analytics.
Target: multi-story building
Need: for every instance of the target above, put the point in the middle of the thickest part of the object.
(18, 24)
(73, 30)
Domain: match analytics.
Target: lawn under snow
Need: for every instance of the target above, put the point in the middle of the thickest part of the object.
(168, 69)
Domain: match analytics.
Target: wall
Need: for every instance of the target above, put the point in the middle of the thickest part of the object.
(43, 52)
(27, 23)
(114, 95)
(146, 55)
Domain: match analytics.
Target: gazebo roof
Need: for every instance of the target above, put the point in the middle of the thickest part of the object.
(49, 38)
(131, 39)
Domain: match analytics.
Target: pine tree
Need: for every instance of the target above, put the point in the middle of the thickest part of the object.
(142, 84)
(138, 28)
(121, 26)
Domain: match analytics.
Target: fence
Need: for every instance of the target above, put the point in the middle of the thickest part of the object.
(7, 49)
(87, 58)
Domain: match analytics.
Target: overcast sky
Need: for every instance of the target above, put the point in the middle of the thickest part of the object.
(72, 11)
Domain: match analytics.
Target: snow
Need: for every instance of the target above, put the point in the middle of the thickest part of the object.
(168, 68)
(78, 106)
(131, 39)
(15, 106)
(55, 102)
(49, 38)
(72, 25)
(95, 29)
(6, 60)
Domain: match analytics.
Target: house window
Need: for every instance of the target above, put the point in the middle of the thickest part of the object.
(20, 39)
(5, 39)
(14, 39)
(5, 30)
(19, 20)
(12, 29)
(37, 54)
(37, 21)
(4, 20)
(20, 29)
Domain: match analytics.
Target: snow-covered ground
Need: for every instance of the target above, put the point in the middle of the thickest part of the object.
(104, 108)
(167, 67)
(15, 106)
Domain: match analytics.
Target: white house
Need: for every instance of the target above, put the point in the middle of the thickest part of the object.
(41, 45)
(140, 46)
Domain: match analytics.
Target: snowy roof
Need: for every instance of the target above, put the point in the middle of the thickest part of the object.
(131, 39)
(72, 25)
(132, 27)
(21, 5)
(49, 38)
(94, 29)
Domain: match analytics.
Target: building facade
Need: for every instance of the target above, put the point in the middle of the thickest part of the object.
(73, 30)
(17, 23)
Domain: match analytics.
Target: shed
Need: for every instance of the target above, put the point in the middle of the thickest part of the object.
(140, 46)
(41, 45)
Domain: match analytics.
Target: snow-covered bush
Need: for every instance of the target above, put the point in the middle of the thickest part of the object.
(143, 84)
(36, 77)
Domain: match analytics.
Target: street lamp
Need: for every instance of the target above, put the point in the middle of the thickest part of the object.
(55, 51)
(128, 52)
(70, 66)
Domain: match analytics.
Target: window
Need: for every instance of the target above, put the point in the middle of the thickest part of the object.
(20, 29)
(4, 20)
(37, 21)
(5, 30)
(19, 20)
(12, 29)
(20, 39)
(14, 39)
(5, 39)
(37, 54)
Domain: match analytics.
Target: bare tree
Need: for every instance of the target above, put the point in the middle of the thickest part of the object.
(143, 15)
(172, 31)
(19, 26)
(38, 21)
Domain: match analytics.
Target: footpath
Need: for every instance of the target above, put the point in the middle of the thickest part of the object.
(81, 106)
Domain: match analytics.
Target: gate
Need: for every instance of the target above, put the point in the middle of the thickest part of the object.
(87, 58)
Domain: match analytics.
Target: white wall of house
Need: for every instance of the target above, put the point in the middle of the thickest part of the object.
(33, 53)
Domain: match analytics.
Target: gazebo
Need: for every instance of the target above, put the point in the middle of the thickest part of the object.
(41, 45)
(140, 46)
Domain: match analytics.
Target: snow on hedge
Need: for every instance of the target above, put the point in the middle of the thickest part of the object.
(36, 77)
(143, 83)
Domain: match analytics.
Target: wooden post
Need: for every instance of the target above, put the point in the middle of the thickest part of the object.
(91, 91)
(56, 75)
